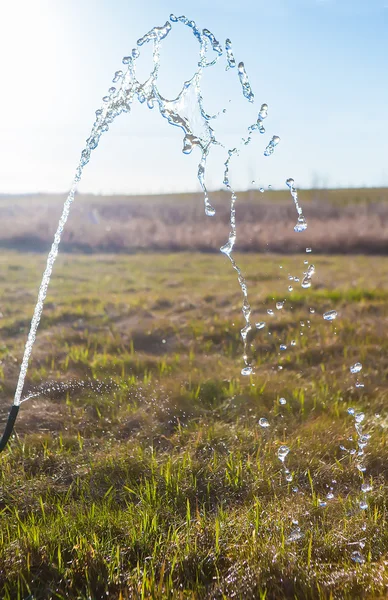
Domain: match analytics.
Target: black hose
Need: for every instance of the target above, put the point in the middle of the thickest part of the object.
(13, 413)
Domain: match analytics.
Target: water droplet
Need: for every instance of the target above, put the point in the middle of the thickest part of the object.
(282, 401)
(366, 487)
(357, 557)
(261, 190)
(359, 417)
(272, 145)
(283, 347)
(356, 368)
(351, 411)
(247, 371)
(359, 384)
(301, 224)
(293, 342)
(263, 422)
(306, 283)
(308, 250)
(209, 210)
(270, 311)
(312, 310)
(295, 535)
(260, 325)
(263, 113)
(282, 452)
(330, 315)
(279, 305)
(290, 288)
(289, 477)
(117, 76)
(290, 182)
(363, 505)
(126, 60)
(330, 496)
(322, 503)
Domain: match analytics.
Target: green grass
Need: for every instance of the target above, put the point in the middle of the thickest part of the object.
(153, 478)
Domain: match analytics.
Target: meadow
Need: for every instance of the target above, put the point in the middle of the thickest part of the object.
(140, 467)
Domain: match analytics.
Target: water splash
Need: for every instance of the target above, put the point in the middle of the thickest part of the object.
(270, 149)
(258, 126)
(187, 112)
(301, 223)
(295, 535)
(227, 250)
(229, 55)
(244, 80)
(306, 281)
(44, 287)
(282, 453)
(95, 386)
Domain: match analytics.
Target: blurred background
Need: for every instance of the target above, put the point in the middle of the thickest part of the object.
(318, 64)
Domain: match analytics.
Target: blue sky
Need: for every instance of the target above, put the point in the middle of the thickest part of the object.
(320, 65)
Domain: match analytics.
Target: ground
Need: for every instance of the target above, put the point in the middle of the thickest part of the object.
(140, 467)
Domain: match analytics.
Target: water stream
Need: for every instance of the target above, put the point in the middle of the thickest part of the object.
(119, 99)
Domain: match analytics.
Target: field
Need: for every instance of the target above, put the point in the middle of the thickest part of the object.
(140, 468)
(340, 221)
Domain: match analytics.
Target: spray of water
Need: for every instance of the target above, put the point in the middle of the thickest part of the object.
(197, 133)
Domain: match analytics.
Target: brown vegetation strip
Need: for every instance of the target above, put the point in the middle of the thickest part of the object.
(339, 221)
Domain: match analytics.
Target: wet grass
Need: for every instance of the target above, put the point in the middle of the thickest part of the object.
(139, 468)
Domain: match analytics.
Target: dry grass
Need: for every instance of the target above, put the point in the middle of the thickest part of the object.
(339, 221)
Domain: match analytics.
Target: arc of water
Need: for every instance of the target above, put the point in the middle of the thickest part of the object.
(119, 100)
